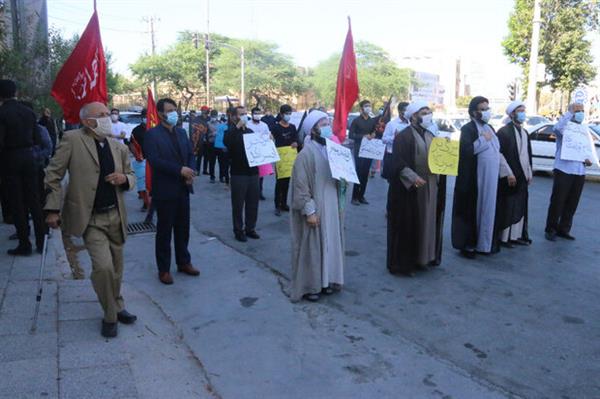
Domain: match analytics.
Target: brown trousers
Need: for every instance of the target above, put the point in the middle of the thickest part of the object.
(104, 241)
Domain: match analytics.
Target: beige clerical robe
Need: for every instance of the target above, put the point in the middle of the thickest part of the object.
(317, 252)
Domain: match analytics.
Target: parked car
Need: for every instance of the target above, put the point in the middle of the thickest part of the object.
(447, 125)
(543, 148)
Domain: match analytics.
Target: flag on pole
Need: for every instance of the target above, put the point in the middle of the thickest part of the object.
(151, 121)
(347, 87)
(82, 78)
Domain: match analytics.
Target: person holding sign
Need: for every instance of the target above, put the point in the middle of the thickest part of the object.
(285, 135)
(317, 216)
(513, 192)
(245, 190)
(416, 199)
(569, 178)
(258, 126)
(362, 128)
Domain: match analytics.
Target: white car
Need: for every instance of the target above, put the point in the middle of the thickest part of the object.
(543, 148)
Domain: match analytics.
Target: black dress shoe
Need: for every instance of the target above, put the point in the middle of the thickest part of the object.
(355, 202)
(311, 297)
(241, 237)
(467, 254)
(277, 212)
(262, 197)
(363, 201)
(550, 236)
(20, 251)
(125, 317)
(252, 234)
(521, 241)
(285, 208)
(109, 330)
(507, 244)
(566, 236)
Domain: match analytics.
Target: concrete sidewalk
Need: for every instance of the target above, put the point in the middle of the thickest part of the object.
(67, 357)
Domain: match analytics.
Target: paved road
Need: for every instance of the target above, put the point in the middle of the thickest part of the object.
(523, 323)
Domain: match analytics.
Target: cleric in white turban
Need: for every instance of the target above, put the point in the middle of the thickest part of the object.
(513, 192)
(416, 198)
(316, 216)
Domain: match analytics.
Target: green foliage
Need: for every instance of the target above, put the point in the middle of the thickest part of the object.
(564, 47)
(378, 76)
(463, 101)
(270, 76)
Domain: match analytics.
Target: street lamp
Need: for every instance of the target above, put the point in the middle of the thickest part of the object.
(241, 52)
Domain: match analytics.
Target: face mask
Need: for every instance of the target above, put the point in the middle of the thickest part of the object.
(144, 120)
(244, 119)
(520, 117)
(367, 110)
(114, 117)
(287, 117)
(103, 126)
(380, 112)
(579, 116)
(172, 118)
(486, 116)
(326, 132)
(256, 117)
(426, 121)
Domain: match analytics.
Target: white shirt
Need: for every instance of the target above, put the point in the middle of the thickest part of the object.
(391, 129)
(118, 128)
(259, 127)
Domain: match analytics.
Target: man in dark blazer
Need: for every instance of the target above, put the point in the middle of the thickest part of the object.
(169, 151)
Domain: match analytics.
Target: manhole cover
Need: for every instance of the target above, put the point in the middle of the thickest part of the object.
(139, 228)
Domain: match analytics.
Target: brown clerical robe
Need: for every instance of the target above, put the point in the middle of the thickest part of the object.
(416, 215)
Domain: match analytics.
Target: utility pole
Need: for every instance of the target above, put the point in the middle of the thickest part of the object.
(533, 59)
(151, 21)
(207, 48)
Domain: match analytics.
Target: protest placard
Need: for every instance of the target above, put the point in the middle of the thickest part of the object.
(260, 149)
(372, 149)
(287, 157)
(577, 144)
(443, 156)
(341, 162)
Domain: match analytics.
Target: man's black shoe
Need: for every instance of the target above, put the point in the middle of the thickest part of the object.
(355, 202)
(363, 201)
(109, 330)
(262, 197)
(507, 244)
(468, 254)
(520, 241)
(550, 236)
(285, 208)
(566, 236)
(125, 317)
(20, 251)
(241, 237)
(277, 212)
(252, 234)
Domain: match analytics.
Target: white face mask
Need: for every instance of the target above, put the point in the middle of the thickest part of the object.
(426, 121)
(367, 110)
(287, 117)
(486, 116)
(257, 117)
(103, 126)
(114, 117)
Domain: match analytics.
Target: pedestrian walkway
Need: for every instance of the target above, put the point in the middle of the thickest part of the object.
(67, 357)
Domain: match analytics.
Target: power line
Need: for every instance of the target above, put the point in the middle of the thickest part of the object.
(79, 23)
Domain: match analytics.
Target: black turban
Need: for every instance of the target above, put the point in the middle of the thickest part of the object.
(475, 102)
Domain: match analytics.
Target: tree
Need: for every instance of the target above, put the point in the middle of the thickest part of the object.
(270, 76)
(564, 48)
(463, 101)
(378, 76)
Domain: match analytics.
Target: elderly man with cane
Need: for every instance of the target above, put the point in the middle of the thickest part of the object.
(94, 207)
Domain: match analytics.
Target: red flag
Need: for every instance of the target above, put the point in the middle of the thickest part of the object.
(347, 87)
(151, 121)
(82, 79)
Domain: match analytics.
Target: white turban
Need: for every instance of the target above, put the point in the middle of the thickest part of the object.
(415, 107)
(514, 105)
(311, 120)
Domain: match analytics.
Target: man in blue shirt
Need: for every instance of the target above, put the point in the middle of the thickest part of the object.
(569, 178)
(169, 151)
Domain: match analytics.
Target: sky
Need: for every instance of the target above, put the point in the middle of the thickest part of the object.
(307, 30)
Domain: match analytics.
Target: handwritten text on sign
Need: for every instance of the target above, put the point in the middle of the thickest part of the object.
(341, 163)
(260, 149)
(285, 165)
(443, 156)
(577, 144)
(372, 149)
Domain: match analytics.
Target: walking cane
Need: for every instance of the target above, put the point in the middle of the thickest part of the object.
(38, 297)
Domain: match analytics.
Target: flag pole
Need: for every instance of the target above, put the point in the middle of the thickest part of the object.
(94, 5)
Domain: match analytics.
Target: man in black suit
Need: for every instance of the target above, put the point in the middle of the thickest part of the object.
(169, 151)
(18, 167)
